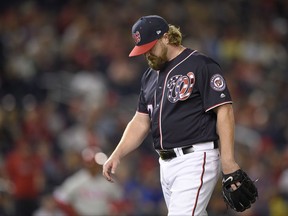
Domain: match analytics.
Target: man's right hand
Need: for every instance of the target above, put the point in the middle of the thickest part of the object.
(109, 168)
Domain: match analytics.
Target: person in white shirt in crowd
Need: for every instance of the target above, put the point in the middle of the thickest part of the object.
(86, 192)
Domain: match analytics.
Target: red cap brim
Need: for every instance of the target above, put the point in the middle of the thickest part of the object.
(139, 50)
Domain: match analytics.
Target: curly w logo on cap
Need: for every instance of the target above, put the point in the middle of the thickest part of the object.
(137, 37)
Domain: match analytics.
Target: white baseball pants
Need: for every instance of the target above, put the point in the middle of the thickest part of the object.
(188, 181)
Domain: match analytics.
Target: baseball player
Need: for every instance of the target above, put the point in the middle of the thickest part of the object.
(185, 104)
(86, 192)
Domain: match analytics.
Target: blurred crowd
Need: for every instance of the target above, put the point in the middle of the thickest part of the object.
(67, 84)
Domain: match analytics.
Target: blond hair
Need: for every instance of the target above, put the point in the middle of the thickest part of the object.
(174, 35)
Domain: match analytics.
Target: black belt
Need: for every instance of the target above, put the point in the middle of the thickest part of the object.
(167, 154)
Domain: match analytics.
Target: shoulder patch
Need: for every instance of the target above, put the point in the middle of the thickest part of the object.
(217, 82)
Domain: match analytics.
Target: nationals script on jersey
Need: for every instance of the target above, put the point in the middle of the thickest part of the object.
(180, 97)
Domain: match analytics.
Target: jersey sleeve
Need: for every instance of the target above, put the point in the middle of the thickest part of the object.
(142, 105)
(67, 191)
(212, 86)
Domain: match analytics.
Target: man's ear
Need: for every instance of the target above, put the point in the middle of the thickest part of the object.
(165, 39)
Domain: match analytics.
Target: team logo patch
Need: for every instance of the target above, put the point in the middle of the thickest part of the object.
(137, 37)
(217, 82)
(180, 87)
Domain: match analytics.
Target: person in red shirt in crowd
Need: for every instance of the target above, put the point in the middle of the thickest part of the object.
(24, 170)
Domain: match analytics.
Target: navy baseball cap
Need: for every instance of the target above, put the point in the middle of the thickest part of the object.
(146, 32)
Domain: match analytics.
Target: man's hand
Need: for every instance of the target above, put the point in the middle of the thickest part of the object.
(109, 168)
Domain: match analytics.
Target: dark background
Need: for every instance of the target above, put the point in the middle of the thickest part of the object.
(67, 82)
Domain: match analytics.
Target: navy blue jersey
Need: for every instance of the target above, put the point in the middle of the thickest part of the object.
(179, 100)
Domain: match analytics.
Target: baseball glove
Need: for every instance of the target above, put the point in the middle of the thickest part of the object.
(246, 193)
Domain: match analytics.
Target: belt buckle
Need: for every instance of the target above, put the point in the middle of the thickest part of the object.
(188, 149)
